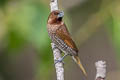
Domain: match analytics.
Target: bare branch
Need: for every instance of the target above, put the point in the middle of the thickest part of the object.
(101, 70)
(54, 5)
(59, 65)
(56, 51)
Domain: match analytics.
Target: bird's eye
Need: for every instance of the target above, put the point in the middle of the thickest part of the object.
(55, 13)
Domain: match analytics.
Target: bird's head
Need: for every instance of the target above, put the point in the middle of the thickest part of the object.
(55, 16)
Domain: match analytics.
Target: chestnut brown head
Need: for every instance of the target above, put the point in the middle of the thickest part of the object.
(55, 16)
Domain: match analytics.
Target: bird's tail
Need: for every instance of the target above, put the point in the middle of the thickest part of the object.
(77, 60)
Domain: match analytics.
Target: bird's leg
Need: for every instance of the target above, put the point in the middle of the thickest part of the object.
(61, 59)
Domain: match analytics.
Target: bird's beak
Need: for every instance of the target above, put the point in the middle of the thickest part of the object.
(61, 14)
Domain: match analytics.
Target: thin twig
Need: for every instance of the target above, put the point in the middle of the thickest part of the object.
(101, 70)
(56, 51)
(54, 5)
(59, 65)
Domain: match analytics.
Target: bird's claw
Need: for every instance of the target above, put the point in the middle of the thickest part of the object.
(59, 60)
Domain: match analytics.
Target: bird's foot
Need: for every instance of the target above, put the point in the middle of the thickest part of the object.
(59, 60)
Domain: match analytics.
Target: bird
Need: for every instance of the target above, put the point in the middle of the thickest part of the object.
(61, 37)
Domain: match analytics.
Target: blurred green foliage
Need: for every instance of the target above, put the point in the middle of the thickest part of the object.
(25, 22)
(115, 11)
(112, 9)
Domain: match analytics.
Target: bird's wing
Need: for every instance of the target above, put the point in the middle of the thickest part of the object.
(62, 33)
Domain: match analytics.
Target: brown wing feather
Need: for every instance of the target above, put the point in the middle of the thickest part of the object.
(63, 34)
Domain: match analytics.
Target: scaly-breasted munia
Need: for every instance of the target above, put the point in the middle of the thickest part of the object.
(60, 36)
